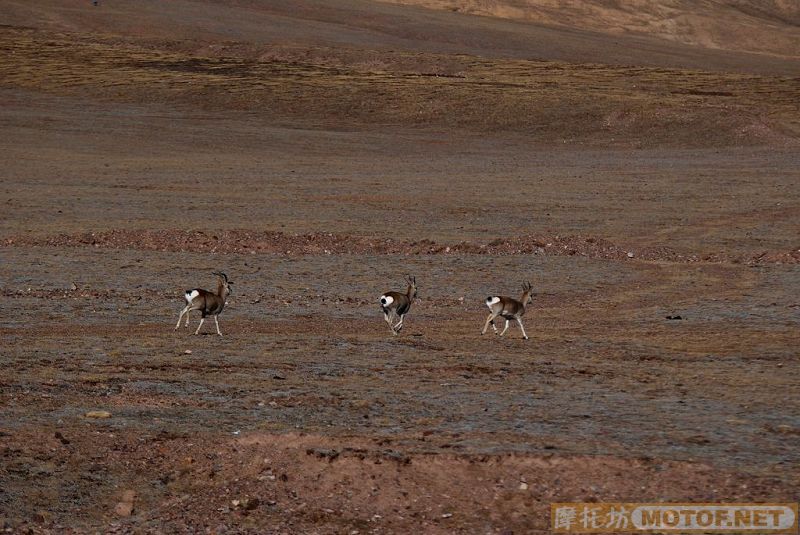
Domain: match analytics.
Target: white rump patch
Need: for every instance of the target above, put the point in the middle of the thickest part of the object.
(387, 300)
(191, 295)
(492, 301)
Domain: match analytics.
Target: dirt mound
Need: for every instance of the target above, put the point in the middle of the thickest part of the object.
(309, 483)
(245, 241)
(255, 242)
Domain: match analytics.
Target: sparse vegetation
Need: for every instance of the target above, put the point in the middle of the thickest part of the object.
(553, 102)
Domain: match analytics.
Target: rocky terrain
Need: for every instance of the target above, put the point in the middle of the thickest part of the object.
(640, 169)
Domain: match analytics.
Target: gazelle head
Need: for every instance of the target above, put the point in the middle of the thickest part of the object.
(527, 293)
(223, 284)
(412, 287)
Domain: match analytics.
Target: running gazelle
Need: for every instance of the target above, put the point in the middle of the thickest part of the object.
(395, 305)
(509, 309)
(208, 303)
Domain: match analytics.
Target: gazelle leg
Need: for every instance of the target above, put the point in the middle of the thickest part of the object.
(198, 327)
(216, 321)
(525, 336)
(505, 328)
(489, 320)
(184, 311)
(187, 318)
(493, 326)
(399, 325)
(388, 320)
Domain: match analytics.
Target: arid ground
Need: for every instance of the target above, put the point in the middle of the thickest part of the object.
(645, 181)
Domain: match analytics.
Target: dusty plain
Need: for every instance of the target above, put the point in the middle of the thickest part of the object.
(319, 151)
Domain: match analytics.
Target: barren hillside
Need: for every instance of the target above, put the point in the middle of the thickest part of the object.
(360, 62)
(762, 26)
(587, 34)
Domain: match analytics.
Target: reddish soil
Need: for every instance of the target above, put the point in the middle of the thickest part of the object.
(317, 152)
(281, 244)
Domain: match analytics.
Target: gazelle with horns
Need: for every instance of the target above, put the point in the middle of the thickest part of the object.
(208, 303)
(509, 309)
(395, 305)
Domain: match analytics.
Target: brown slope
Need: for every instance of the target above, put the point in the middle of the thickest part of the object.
(550, 102)
(767, 27)
(374, 25)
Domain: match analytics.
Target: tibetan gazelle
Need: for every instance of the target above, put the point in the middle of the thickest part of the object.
(395, 305)
(208, 303)
(509, 309)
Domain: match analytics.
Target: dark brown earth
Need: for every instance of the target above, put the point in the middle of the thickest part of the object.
(317, 152)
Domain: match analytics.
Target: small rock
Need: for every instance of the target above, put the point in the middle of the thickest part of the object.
(523, 486)
(124, 509)
(737, 421)
(98, 414)
(42, 517)
(447, 515)
(248, 504)
(698, 439)
(630, 255)
(187, 352)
